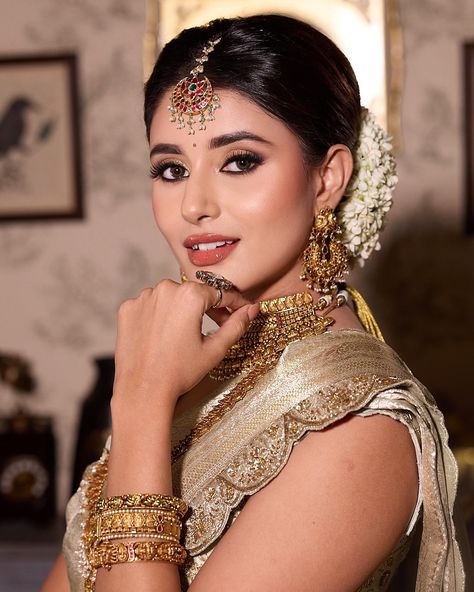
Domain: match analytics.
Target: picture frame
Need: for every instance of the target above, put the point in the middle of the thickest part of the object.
(368, 32)
(40, 148)
(468, 59)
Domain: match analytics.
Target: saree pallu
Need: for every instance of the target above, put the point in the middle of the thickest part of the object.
(317, 382)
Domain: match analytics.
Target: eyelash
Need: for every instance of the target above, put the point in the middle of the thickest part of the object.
(245, 156)
(157, 170)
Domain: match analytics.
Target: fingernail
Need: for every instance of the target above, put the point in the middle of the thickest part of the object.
(253, 310)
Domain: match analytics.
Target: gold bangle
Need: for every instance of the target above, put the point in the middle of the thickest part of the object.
(167, 503)
(107, 554)
(137, 522)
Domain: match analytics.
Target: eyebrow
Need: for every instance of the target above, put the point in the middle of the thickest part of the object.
(217, 142)
(232, 137)
(165, 149)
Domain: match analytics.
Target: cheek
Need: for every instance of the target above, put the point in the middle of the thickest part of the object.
(282, 212)
(281, 197)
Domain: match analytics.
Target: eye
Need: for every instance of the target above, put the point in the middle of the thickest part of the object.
(241, 162)
(169, 171)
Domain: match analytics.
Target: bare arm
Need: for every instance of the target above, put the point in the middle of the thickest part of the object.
(160, 354)
(327, 520)
(57, 580)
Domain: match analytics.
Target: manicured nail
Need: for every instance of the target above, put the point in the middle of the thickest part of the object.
(253, 310)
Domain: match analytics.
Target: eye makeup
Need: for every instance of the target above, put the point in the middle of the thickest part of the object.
(157, 171)
(245, 160)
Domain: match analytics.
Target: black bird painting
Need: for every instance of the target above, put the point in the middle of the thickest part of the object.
(21, 135)
(13, 125)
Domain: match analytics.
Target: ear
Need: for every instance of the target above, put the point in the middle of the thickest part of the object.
(331, 178)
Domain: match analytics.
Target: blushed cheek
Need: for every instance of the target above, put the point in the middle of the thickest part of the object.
(283, 191)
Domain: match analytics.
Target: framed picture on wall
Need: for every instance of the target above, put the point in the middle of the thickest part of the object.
(469, 133)
(40, 165)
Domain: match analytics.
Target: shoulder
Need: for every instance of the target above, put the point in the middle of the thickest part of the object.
(334, 512)
(368, 459)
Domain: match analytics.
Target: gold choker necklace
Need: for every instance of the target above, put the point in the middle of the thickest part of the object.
(279, 322)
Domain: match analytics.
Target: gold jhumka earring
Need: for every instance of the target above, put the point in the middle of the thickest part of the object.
(325, 259)
(194, 96)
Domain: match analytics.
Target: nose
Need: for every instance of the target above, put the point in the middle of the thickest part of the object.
(199, 200)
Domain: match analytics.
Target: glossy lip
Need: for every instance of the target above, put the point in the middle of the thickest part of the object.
(205, 258)
(195, 239)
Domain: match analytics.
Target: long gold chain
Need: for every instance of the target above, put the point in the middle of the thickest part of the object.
(93, 492)
(280, 321)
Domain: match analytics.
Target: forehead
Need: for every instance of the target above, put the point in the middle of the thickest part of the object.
(236, 112)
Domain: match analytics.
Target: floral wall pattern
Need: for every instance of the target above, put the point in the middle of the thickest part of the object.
(61, 282)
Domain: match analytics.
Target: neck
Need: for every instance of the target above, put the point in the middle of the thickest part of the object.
(285, 286)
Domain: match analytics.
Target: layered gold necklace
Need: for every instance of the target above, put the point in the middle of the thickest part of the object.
(279, 322)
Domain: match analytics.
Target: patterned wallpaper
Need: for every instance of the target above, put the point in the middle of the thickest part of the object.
(61, 282)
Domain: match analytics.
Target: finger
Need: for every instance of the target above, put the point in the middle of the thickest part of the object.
(218, 315)
(231, 299)
(230, 332)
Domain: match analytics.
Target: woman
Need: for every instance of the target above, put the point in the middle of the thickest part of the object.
(276, 155)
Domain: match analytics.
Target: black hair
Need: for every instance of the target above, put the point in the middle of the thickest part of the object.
(284, 65)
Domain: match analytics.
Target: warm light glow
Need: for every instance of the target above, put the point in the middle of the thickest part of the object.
(359, 32)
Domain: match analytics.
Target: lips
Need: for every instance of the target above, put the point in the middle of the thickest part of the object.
(208, 249)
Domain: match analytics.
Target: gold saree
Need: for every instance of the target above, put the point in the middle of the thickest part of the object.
(316, 382)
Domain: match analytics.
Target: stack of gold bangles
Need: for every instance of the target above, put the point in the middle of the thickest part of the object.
(137, 527)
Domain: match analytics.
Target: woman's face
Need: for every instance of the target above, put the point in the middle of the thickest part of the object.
(242, 184)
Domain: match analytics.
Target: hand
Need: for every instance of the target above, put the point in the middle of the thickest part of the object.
(161, 352)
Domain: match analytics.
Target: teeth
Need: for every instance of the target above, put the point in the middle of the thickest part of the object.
(210, 246)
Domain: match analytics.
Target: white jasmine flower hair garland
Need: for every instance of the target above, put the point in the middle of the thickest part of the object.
(368, 196)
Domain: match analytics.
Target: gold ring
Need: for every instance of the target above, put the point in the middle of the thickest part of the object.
(219, 298)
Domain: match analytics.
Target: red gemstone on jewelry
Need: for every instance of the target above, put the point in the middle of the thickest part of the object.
(159, 528)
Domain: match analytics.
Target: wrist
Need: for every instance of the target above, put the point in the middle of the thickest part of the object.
(140, 461)
(132, 407)
(140, 456)
(152, 383)
(142, 435)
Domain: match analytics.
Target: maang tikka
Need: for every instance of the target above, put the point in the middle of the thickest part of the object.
(325, 259)
(194, 96)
